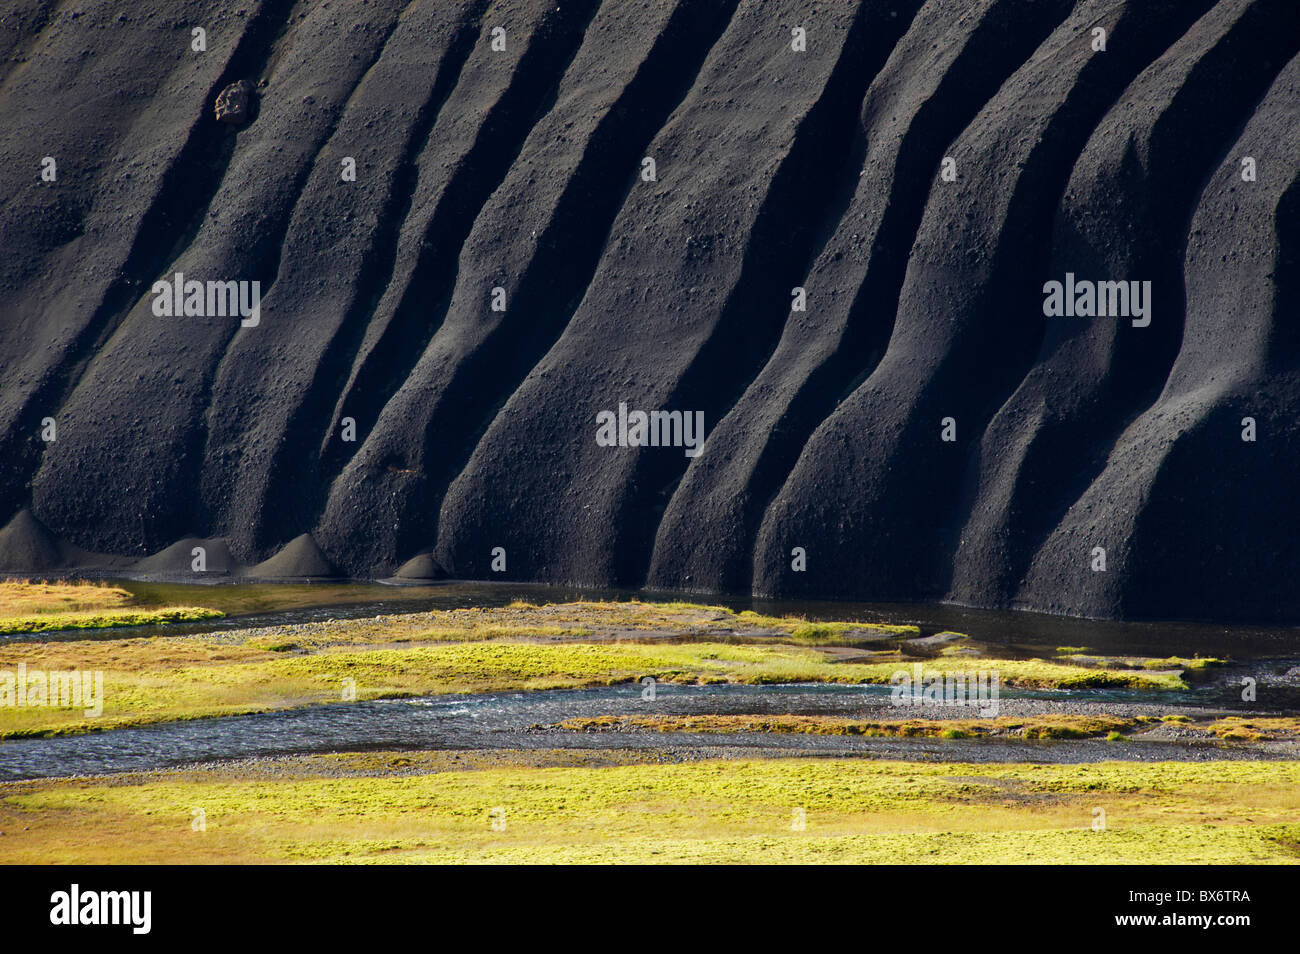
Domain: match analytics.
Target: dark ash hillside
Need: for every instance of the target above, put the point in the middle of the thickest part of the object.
(520, 169)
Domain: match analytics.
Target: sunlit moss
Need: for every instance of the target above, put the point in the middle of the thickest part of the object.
(31, 597)
(104, 619)
(1034, 727)
(38, 607)
(480, 650)
(853, 810)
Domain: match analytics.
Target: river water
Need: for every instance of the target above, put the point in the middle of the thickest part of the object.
(527, 720)
(1017, 633)
(518, 720)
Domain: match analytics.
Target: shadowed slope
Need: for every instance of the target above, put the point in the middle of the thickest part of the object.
(969, 322)
(705, 258)
(1192, 517)
(141, 431)
(1092, 377)
(938, 76)
(539, 244)
(501, 144)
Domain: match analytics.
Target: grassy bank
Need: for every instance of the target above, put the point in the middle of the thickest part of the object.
(28, 607)
(167, 679)
(520, 646)
(1037, 727)
(587, 807)
(1052, 726)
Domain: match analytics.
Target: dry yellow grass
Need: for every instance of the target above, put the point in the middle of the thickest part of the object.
(1051, 726)
(31, 598)
(1034, 727)
(1251, 728)
(37, 607)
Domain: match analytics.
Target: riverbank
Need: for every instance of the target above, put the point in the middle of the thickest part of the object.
(28, 607)
(631, 731)
(152, 679)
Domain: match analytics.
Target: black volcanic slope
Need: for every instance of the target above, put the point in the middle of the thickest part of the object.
(920, 430)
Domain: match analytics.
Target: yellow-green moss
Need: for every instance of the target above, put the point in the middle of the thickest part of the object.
(744, 810)
(1033, 727)
(37, 607)
(521, 646)
(265, 680)
(103, 619)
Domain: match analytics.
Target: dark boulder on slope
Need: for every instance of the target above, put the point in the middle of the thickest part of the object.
(461, 257)
(234, 104)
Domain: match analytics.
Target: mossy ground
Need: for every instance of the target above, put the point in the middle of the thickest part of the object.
(30, 597)
(1051, 726)
(1035, 727)
(1146, 662)
(587, 807)
(520, 646)
(616, 805)
(39, 607)
(165, 679)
